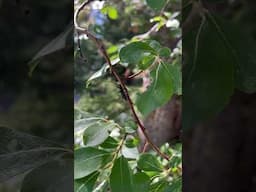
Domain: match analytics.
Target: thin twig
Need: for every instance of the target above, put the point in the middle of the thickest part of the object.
(145, 147)
(102, 49)
(135, 75)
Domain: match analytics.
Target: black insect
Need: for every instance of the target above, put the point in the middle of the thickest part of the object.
(122, 92)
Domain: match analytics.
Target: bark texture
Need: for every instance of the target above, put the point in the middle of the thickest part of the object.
(164, 124)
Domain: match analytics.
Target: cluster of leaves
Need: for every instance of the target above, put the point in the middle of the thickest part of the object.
(165, 77)
(106, 157)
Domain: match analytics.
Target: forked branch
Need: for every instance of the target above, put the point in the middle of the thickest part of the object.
(103, 51)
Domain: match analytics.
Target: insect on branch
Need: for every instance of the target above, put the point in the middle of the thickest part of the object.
(103, 51)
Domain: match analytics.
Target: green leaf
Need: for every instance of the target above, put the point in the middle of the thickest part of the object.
(121, 178)
(88, 160)
(86, 184)
(159, 186)
(154, 44)
(175, 70)
(92, 121)
(52, 176)
(129, 129)
(109, 143)
(101, 72)
(242, 47)
(132, 142)
(149, 162)
(20, 152)
(56, 44)
(112, 49)
(82, 124)
(141, 182)
(95, 134)
(175, 186)
(146, 62)
(112, 13)
(130, 153)
(133, 53)
(175, 161)
(159, 92)
(208, 74)
(164, 52)
(156, 4)
(84, 115)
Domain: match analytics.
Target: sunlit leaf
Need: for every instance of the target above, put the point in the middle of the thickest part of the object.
(88, 160)
(149, 162)
(95, 134)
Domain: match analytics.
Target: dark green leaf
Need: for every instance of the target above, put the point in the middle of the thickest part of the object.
(164, 52)
(160, 186)
(121, 178)
(86, 184)
(175, 70)
(156, 4)
(149, 162)
(141, 182)
(131, 142)
(175, 185)
(208, 74)
(243, 49)
(159, 92)
(109, 143)
(133, 53)
(154, 44)
(146, 62)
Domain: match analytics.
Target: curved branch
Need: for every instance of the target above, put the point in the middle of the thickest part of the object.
(102, 49)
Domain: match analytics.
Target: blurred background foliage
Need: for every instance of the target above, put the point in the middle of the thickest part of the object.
(116, 23)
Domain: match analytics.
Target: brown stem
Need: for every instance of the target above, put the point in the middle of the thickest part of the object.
(102, 49)
(135, 75)
(145, 147)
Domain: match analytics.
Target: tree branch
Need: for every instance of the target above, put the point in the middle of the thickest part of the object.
(102, 49)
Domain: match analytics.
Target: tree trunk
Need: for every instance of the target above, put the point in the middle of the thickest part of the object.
(220, 156)
(164, 124)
